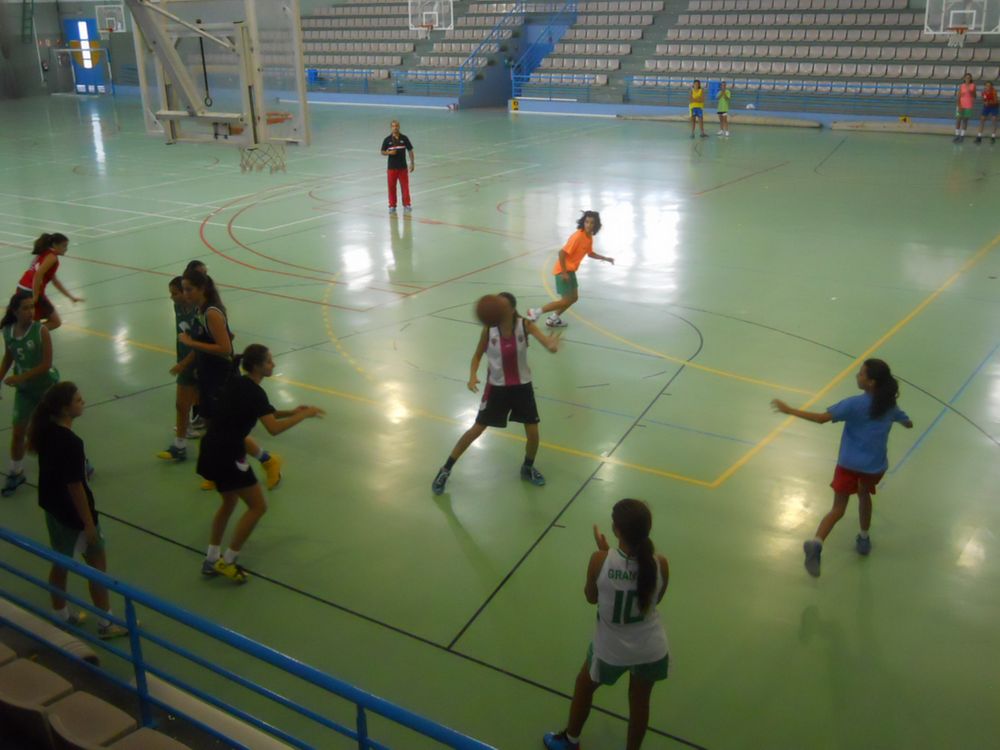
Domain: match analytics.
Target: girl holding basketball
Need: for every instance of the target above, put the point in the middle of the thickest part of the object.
(28, 349)
(509, 393)
(626, 585)
(47, 250)
(577, 247)
(222, 458)
(863, 455)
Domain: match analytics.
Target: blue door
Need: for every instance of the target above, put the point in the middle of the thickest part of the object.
(89, 64)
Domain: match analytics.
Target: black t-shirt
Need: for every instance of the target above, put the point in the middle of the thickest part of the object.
(242, 403)
(213, 370)
(61, 462)
(397, 159)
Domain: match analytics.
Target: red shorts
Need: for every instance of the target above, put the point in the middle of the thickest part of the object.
(44, 308)
(847, 481)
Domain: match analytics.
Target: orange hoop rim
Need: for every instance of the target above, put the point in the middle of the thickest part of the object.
(958, 29)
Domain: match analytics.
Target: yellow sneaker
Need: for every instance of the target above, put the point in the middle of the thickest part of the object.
(273, 468)
(208, 485)
(232, 571)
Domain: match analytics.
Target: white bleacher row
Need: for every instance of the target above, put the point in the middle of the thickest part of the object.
(567, 79)
(628, 21)
(612, 35)
(451, 61)
(385, 22)
(379, 74)
(730, 5)
(445, 76)
(894, 36)
(830, 53)
(464, 48)
(474, 34)
(571, 48)
(837, 88)
(331, 9)
(368, 10)
(769, 20)
(377, 48)
(384, 61)
(403, 34)
(825, 69)
(579, 63)
(625, 6)
(487, 21)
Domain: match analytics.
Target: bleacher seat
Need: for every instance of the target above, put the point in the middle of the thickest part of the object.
(26, 688)
(81, 720)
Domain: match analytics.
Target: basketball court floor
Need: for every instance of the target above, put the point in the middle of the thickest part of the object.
(762, 266)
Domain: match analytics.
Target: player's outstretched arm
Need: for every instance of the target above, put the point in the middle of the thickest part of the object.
(549, 342)
(812, 416)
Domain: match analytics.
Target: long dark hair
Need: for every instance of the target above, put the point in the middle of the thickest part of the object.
(886, 389)
(203, 281)
(253, 356)
(634, 521)
(586, 215)
(47, 241)
(56, 399)
(10, 316)
(195, 265)
(513, 302)
(176, 283)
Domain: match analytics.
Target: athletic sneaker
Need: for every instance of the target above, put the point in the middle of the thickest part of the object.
(407, 209)
(208, 485)
(554, 321)
(392, 209)
(863, 545)
(558, 741)
(12, 483)
(692, 136)
(979, 139)
(721, 132)
(533, 475)
(273, 468)
(208, 568)
(76, 619)
(533, 314)
(813, 550)
(111, 630)
(957, 139)
(727, 134)
(704, 135)
(437, 486)
(232, 571)
(173, 453)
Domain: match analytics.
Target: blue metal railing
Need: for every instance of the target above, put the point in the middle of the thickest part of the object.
(333, 79)
(562, 86)
(509, 19)
(847, 97)
(141, 667)
(563, 17)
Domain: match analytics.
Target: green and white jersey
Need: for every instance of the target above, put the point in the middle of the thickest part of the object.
(26, 353)
(185, 316)
(625, 636)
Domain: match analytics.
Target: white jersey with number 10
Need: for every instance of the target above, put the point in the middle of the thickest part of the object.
(625, 636)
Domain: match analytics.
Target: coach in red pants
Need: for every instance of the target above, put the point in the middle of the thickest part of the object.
(396, 146)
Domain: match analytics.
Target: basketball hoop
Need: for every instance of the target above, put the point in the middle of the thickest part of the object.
(956, 36)
(260, 155)
(276, 118)
(428, 28)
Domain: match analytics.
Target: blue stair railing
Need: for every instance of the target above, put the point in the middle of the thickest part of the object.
(140, 635)
(562, 18)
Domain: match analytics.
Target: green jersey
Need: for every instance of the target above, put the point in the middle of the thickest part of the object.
(185, 317)
(722, 106)
(26, 353)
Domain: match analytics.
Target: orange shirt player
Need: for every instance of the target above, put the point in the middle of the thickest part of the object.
(579, 246)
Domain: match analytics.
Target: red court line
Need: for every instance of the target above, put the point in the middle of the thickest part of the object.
(740, 179)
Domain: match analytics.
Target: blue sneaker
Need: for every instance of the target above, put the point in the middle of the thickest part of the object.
(533, 475)
(437, 486)
(813, 550)
(173, 453)
(863, 545)
(208, 568)
(12, 482)
(554, 741)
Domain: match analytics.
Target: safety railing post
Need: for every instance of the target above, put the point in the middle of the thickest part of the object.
(362, 728)
(138, 665)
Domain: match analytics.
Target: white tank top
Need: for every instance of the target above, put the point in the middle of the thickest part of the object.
(625, 637)
(507, 359)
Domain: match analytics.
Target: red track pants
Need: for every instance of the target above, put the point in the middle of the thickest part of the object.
(403, 176)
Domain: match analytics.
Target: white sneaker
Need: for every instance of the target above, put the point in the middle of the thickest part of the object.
(392, 209)
(727, 134)
(407, 209)
(554, 321)
(721, 132)
(533, 314)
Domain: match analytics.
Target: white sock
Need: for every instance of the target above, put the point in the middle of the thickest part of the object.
(571, 738)
(957, 131)
(863, 534)
(16, 467)
(230, 557)
(962, 131)
(259, 452)
(180, 443)
(104, 621)
(214, 553)
(62, 614)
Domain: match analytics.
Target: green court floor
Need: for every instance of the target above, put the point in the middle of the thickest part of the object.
(760, 266)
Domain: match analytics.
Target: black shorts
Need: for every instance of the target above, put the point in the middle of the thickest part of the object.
(216, 464)
(503, 402)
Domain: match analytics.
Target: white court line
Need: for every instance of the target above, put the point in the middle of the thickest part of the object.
(17, 234)
(30, 221)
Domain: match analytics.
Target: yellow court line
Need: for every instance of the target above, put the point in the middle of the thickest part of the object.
(668, 357)
(415, 412)
(333, 336)
(769, 438)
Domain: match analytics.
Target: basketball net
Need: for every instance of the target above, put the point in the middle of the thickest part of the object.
(259, 156)
(956, 36)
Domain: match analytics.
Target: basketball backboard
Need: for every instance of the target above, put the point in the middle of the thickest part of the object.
(431, 14)
(224, 71)
(977, 16)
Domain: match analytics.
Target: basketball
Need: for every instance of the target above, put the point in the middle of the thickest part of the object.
(490, 309)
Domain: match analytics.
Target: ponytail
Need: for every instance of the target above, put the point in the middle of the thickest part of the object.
(253, 356)
(10, 316)
(47, 241)
(55, 401)
(204, 282)
(886, 389)
(634, 522)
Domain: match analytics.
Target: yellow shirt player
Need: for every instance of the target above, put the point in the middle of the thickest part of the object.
(696, 103)
(577, 247)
